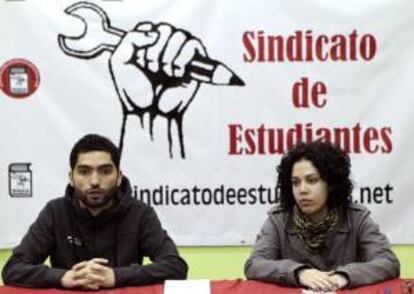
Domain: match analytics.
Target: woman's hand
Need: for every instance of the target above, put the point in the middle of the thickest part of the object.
(318, 280)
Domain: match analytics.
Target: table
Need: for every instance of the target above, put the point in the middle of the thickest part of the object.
(223, 287)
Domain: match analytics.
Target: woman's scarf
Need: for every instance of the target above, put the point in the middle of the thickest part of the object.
(314, 234)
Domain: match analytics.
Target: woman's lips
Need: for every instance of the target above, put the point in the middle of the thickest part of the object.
(305, 203)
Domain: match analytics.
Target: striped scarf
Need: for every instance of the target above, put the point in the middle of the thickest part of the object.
(314, 234)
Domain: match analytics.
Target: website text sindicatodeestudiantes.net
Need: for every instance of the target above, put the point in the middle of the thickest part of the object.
(166, 195)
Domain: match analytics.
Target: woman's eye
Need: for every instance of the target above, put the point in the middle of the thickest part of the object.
(313, 180)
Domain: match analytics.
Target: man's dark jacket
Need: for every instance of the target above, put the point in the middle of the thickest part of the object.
(70, 234)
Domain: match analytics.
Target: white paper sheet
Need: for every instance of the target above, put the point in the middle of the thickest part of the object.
(187, 287)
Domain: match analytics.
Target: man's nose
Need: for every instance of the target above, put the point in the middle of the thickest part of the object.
(94, 179)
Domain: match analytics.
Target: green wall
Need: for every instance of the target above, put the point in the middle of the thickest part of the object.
(227, 262)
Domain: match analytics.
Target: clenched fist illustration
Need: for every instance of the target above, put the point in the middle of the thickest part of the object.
(151, 69)
(156, 68)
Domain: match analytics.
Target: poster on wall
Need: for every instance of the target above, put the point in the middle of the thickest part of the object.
(203, 98)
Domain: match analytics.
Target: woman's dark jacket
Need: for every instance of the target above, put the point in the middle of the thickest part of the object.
(355, 248)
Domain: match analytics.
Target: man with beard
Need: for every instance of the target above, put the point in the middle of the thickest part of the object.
(97, 234)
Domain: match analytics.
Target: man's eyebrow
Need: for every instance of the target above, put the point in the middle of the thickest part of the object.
(83, 166)
(106, 165)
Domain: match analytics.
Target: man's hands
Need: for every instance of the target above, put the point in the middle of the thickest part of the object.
(89, 275)
(321, 281)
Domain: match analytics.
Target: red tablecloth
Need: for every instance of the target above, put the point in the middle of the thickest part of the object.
(152, 289)
(253, 287)
(222, 287)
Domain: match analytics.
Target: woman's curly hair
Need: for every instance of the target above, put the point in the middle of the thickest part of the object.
(333, 165)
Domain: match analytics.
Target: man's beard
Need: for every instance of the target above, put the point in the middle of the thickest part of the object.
(104, 200)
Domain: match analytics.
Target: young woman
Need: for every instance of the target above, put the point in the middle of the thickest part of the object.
(317, 238)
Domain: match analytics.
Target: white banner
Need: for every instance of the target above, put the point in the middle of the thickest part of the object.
(250, 79)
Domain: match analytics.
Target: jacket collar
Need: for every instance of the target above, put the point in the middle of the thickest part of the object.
(123, 200)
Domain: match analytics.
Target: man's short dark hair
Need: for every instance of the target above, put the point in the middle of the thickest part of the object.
(333, 165)
(93, 142)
